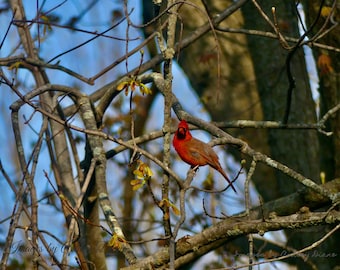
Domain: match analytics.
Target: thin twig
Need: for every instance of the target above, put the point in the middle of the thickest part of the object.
(296, 253)
(247, 204)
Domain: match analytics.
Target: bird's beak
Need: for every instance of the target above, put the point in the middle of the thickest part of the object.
(181, 132)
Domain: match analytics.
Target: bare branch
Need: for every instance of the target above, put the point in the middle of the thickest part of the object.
(192, 247)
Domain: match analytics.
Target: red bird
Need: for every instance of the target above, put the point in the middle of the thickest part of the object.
(195, 152)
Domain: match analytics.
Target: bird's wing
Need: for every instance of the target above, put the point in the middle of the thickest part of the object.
(203, 155)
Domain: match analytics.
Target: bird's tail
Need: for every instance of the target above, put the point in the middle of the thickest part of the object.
(226, 178)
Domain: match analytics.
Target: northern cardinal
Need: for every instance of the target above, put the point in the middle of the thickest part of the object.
(195, 152)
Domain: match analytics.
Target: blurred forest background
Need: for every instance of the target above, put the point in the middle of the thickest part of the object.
(91, 94)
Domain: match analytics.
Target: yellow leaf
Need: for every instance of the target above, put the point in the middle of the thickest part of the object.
(133, 85)
(122, 85)
(144, 89)
(323, 177)
(138, 174)
(136, 187)
(147, 173)
(116, 242)
(326, 11)
(135, 182)
(143, 171)
(161, 203)
(16, 65)
(175, 210)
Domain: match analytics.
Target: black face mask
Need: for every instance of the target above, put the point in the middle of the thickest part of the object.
(181, 132)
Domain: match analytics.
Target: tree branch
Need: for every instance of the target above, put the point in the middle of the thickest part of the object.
(217, 235)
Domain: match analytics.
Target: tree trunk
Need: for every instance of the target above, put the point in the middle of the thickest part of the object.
(295, 148)
(329, 84)
(233, 95)
(329, 89)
